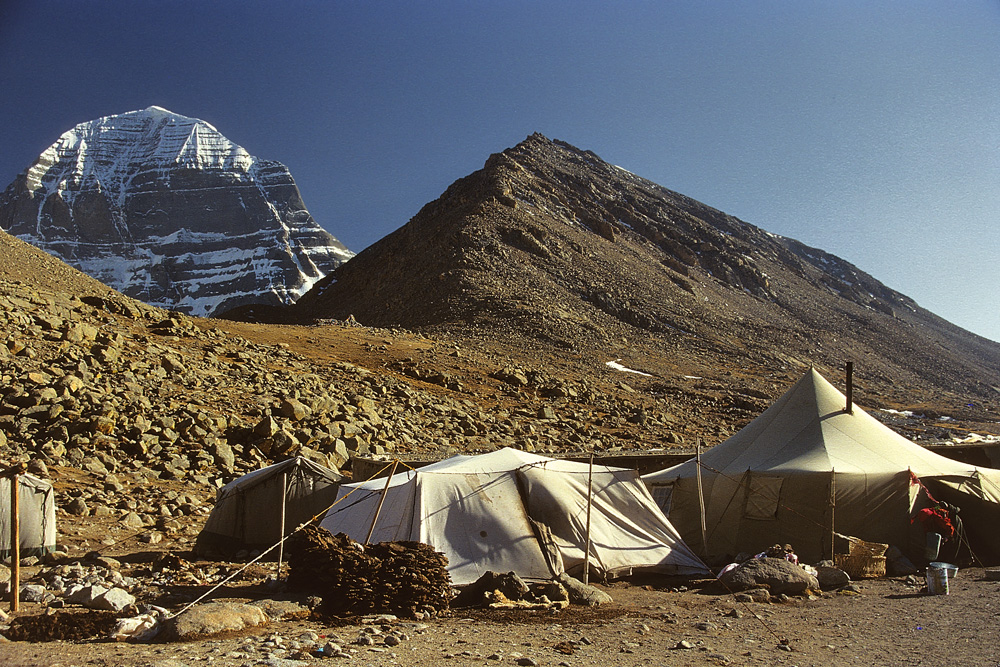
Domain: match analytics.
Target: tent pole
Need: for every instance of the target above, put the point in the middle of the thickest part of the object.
(833, 511)
(701, 498)
(850, 388)
(15, 541)
(590, 495)
(378, 509)
(281, 544)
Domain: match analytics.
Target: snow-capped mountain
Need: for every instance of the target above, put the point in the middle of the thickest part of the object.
(166, 209)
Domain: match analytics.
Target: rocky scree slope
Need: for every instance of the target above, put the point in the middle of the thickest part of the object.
(550, 246)
(99, 382)
(165, 209)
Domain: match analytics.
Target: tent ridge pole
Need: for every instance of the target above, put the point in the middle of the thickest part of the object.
(701, 498)
(590, 495)
(284, 497)
(378, 510)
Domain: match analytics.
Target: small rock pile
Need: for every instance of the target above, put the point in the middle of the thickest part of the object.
(97, 585)
(405, 578)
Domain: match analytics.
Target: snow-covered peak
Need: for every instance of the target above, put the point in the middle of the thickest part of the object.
(164, 208)
(103, 152)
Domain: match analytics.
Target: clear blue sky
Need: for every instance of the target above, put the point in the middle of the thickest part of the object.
(870, 128)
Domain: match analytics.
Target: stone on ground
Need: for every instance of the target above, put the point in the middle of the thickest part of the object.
(777, 574)
(214, 618)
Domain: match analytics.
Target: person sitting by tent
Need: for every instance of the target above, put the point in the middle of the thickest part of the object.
(942, 525)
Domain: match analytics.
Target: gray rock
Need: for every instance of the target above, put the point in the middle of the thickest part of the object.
(77, 507)
(115, 599)
(279, 610)
(35, 593)
(224, 456)
(581, 593)
(214, 618)
(84, 594)
(293, 409)
(79, 332)
(778, 575)
(831, 578)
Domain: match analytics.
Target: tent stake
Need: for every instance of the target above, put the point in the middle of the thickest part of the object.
(701, 498)
(281, 548)
(378, 509)
(590, 495)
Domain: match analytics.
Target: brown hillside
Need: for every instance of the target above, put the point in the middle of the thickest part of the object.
(550, 248)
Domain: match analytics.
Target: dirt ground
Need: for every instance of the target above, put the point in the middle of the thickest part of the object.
(890, 623)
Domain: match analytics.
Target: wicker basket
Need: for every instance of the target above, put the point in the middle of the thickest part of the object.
(864, 560)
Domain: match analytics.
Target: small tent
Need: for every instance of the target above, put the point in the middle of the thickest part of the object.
(247, 512)
(36, 516)
(514, 511)
(808, 466)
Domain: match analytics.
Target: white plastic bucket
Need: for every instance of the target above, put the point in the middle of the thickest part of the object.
(937, 581)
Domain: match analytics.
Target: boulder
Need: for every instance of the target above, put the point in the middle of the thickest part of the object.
(831, 578)
(898, 565)
(581, 593)
(35, 593)
(214, 618)
(85, 595)
(115, 599)
(282, 610)
(776, 574)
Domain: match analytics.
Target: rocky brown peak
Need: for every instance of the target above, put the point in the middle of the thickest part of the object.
(551, 245)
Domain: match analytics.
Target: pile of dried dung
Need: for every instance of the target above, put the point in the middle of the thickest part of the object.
(403, 578)
(62, 626)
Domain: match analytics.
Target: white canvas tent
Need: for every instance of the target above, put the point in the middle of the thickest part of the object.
(36, 516)
(807, 462)
(513, 511)
(247, 512)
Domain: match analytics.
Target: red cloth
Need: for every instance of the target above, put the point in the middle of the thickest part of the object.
(936, 520)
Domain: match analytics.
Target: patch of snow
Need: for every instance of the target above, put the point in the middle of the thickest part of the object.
(618, 367)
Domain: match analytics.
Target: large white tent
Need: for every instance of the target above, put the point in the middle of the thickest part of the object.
(807, 465)
(247, 512)
(514, 511)
(36, 516)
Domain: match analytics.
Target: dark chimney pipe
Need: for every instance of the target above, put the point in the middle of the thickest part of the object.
(850, 388)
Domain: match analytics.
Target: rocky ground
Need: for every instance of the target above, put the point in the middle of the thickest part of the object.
(650, 622)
